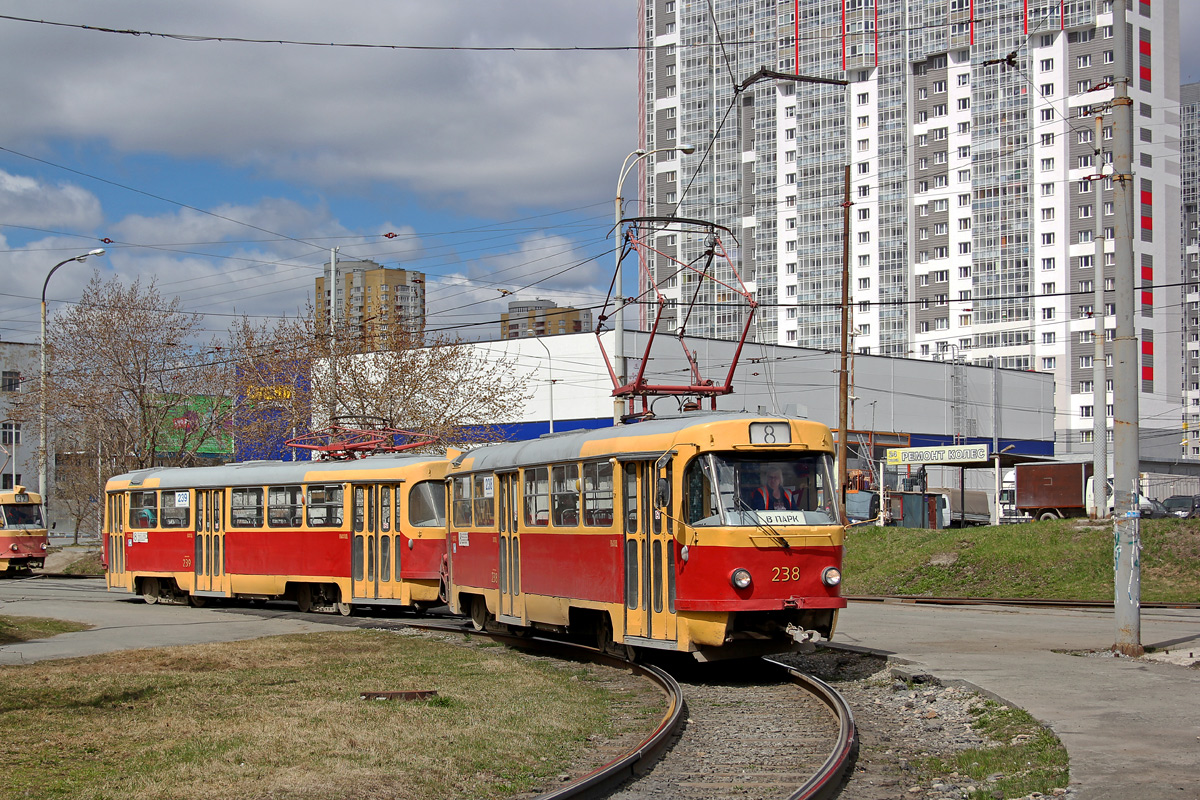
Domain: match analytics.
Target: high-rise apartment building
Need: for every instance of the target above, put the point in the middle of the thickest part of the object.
(967, 126)
(1189, 102)
(371, 298)
(542, 318)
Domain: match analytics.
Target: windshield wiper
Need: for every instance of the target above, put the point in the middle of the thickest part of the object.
(760, 524)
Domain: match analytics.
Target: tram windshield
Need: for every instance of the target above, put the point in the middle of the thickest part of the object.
(21, 515)
(744, 490)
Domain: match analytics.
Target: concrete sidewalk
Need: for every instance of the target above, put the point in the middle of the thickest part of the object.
(122, 625)
(1131, 727)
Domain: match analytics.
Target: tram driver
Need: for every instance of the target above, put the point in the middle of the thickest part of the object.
(772, 495)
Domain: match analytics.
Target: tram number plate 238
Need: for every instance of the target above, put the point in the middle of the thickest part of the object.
(781, 574)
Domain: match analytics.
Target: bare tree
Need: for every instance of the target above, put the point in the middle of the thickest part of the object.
(439, 386)
(133, 382)
(128, 375)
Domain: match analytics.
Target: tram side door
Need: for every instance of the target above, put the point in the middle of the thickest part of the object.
(365, 550)
(208, 558)
(202, 579)
(649, 556)
(512, 601)
(218, 573)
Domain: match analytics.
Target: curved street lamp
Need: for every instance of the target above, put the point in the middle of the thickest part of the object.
(99, 251)
(619, 316)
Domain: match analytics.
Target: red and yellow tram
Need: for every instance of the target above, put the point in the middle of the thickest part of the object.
(23, 534)
(328, 535)
(648, 535)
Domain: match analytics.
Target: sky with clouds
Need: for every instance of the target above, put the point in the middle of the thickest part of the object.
(227, 170)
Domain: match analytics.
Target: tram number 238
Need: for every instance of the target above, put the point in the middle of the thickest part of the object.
(780, 574)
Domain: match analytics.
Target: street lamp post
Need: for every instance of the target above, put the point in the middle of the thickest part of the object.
(619, 316)
(550, 372)
(45, 454)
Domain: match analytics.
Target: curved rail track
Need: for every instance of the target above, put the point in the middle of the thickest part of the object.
(1024, 602)
(797, 733)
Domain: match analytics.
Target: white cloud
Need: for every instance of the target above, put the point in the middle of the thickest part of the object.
(29, 202)
(476, 130)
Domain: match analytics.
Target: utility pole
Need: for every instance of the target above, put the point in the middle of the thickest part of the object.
(1127, 541)
(1099, 372)
(333, 359)
(843, 372)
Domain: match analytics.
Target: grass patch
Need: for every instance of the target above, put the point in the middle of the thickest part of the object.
(89, 564)
(1057, 560)
(25, 629)
(281, 717)
(1029, 758)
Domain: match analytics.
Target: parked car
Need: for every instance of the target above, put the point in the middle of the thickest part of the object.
(1152, 509)
(1183, 505)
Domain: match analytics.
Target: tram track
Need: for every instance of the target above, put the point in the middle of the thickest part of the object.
(729, 729)
(1020, 602)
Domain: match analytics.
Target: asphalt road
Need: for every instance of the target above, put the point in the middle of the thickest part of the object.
(122, 621)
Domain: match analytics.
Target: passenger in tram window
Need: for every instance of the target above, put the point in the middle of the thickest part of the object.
(772, 495)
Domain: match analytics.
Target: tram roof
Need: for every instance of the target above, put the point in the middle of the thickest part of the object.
(569, 446)
(261, 473)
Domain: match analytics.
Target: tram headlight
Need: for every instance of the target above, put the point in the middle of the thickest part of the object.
(740, 578)
(831, 576)
(13, 547)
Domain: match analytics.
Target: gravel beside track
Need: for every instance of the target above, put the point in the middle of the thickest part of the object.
(748, 734)
(898, 724)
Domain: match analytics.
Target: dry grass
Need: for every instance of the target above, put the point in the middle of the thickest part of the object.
(26, 629)
(281, 718)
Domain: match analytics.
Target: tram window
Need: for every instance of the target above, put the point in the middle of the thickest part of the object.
(246, 508)
(174, 509)
(426, 505)
(631, 573)
(385, 558)
(485, 501)
(564, 495)
(657, 571)
(515, 566)
(630, 472)
(216, 510)
(325, 506)
(461, 488)
(143, 509)
(285, 506)
(598, 494)
(360, 505)
(385, 511)
(537, 496)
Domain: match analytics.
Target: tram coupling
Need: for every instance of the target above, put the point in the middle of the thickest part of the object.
(807, 639)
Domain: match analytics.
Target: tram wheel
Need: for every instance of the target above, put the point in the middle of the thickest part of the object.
(304, 598)
(197, 602)
(605, 643)
(150, 590)
(479, 613)
(342, 606)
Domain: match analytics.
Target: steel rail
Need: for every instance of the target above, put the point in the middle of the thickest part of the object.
(1028, 602)
(606, 778)
(826, 782)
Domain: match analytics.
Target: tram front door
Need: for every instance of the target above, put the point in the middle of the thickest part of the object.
(649, 557)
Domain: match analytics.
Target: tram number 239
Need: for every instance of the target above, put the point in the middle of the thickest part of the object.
(781, 574)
